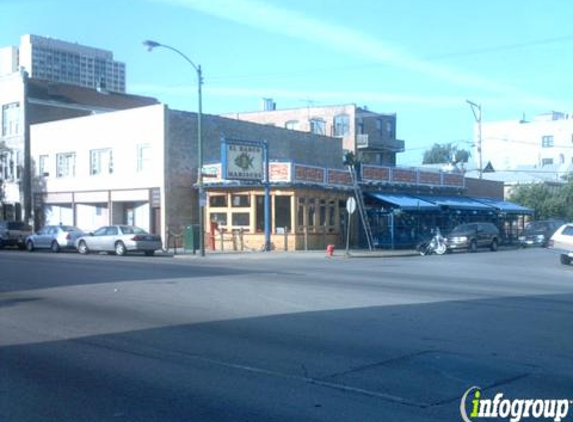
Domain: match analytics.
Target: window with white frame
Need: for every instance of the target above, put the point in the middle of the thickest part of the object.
(66, 164)
(341, 125)
(292, 125)
(143, 157)
(317, 126)
(10, 119)
(547, 141)
(43, 165)
(101, 161)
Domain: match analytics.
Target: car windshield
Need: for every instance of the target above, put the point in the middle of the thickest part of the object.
(462, 229)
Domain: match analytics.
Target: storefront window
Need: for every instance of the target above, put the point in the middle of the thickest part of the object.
(283, 214)
(260, 217)
(217, 201)
(219, 217)
(241, 200)
(240, 219)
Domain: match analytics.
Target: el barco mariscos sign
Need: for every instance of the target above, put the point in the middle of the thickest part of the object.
(243, 160)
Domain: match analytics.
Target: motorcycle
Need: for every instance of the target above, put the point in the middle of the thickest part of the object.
(437, 245)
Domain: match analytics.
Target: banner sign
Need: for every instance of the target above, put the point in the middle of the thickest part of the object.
(242, 160)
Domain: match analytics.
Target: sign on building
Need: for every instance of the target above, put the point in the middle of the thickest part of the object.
(243, 160)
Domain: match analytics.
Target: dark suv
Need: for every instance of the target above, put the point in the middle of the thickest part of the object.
(14, 233)
(471, 236)
(538, 233)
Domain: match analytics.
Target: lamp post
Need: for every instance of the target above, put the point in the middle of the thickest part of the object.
(150, 46)
(477, 116)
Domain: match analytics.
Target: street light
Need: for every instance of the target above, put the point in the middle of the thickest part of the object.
(477, 116)
(150, 46)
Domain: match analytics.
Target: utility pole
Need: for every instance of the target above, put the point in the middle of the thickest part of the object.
(476, 109)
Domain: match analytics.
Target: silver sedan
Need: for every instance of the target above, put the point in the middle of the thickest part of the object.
(119, 239)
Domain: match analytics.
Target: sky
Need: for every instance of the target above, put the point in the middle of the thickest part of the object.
(420, 59)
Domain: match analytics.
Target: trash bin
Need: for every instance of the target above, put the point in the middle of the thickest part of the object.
(191, 238)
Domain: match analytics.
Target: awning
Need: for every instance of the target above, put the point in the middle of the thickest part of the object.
(457, 203)
(404, 202)
(505, 206)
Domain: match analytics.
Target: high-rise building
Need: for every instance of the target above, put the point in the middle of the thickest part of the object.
(64, 62)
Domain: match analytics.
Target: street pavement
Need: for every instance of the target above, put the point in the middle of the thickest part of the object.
(279, 337)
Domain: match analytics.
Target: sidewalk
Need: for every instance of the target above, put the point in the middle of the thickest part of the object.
(338, 254)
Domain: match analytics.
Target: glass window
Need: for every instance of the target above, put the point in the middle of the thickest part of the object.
(317, 126)
(240, 219)
(311, 215)
(219, 217)
(144, 157)
(43, 165)
(341, 125)
(547, 141)
(547, 161)
(10, 119)
(283, 214)
(260, 210)
(66, 164)
(292, 125)
(217, 201)
(241, 200)
(101, 161)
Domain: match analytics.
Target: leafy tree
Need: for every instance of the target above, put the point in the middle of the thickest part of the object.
(445, 153)
(545, 200)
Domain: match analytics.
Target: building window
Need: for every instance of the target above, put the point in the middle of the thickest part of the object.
(217, 201)
(6, 166)
(10, 119)
(240, 219)
(317, 126)
(341, 125)
(283, 212)
(66, 164)
(546, 162)
(143, 158)
(292, 125)
(43, 165)
(240, 201)
(260, 213)
(219, 217)
(101, 161)
(547, 141)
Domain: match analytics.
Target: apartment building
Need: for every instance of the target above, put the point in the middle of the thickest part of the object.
(370, 135)
(25, 101)
(64, 62)
(545, 142)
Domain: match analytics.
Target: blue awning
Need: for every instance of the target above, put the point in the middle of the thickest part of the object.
(457, 203)
(505, 206)
(404, 202)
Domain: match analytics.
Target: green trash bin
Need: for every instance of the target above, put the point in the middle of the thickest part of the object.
(191, 238)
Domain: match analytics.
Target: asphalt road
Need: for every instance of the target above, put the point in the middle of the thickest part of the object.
(279, 337)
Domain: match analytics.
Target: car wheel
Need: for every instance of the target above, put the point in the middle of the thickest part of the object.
(29, 246)
(149, 253)
(55, 247)
(494, 245)
(83, 248)
(473, 246)
(565, 260)
(120, 249)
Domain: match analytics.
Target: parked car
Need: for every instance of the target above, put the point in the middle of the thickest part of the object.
(55, 238)
(472, 236)
(14, 233)
(119, 239)
(562, 242)
(538, 233)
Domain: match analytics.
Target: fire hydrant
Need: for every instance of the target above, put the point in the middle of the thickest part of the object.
(330, 250)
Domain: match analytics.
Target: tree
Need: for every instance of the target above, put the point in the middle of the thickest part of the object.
(547, 201)
(445, 153)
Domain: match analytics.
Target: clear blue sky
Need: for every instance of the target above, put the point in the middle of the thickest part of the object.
(420, 59)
